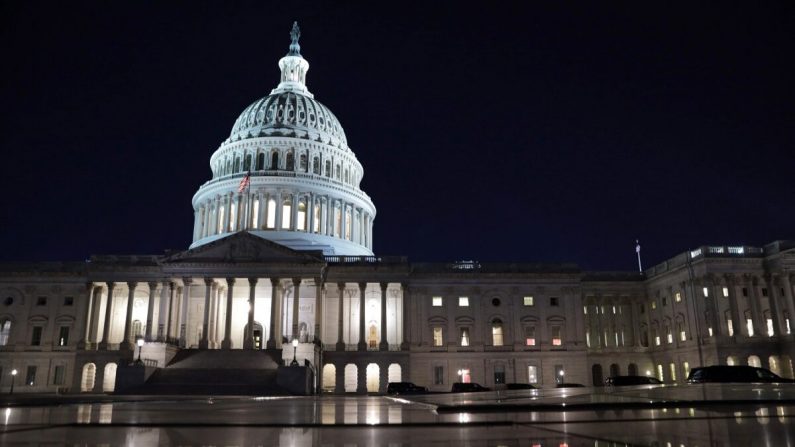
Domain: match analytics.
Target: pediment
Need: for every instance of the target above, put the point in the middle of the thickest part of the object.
(246, 248)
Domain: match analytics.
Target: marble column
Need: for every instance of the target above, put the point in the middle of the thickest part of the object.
(87, 315)
(184, 314)
(405, 295)
(734, 310)
(165, 311)
(215, 316)
(274, 318)
(128, 343)
(108, 316)
(775, 305)
(786, 283)
(319, 286)
(340, 316)
(248, 341)
(169, 311)
(760, 327)
(384, 344)
(296, 302)
(227, 342)
(208, 289)
(279, 202)
(362, 346)
(150, 311)
(96, 308)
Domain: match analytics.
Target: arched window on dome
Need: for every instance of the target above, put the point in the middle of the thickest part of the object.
(260, 161)
(348, 223)
(237, 164)
(228, 167)
(247, 163)
(287, 212)
(290, 162)
(316, 225)
(316, 166)
(275, 160)
(328, 168)
(302, 163)
(337, 172)
(347, 178)
(337, 220)
(302, 215)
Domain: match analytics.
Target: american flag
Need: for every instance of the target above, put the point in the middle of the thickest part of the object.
(244, 183)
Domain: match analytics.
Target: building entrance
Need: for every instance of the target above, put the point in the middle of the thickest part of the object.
(256, 335)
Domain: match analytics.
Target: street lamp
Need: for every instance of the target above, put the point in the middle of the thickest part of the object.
(295, 349)
(561, 373)
(140, 343)
(13, 379)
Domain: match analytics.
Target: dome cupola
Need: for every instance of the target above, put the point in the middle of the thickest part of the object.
(286, 174)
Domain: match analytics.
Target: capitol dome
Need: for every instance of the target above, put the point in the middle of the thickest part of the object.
(286, 174)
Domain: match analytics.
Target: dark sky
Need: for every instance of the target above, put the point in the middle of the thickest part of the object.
(500, 132)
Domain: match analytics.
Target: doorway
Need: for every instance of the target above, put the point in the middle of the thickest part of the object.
(256, 335)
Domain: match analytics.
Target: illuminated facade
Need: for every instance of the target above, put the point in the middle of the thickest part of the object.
(288, 256)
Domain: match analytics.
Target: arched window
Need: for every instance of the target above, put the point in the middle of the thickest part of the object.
(270, 219)
(329, 377)
(88, 377)
(5, 332)
(290, 162)
(351, 378)
(109, 382)
(228, 169)
(346, 176)
(496, 332)
(275, 160)
(328, 168)
(287, 213)
(348, 223)
(302, 163)
(137, 328)
(247, 163)
(237, 164)
(316, 166)
(260, 161)
(373, 377)
(337, 172)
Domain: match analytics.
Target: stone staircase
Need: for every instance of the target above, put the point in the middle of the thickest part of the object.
(215, 372)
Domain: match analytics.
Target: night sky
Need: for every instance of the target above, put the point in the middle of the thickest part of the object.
(504, 132)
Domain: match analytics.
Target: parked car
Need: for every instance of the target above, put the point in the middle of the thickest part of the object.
(405, 388)
(460, 387)
(631, 380)
(737, 373)
(519, 386)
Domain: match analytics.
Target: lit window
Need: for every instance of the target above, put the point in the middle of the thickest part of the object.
(532, 374)
(678, 297)
(557, 339)
(464, 336)
(653, 305)
(5, 332)
(686, 368)
(496, 333)
(705, 291)
(770, 327)
(270, 220)
(730, 326)
(528, 301)
(585, 310)
(63, 336)
(725, 292)
(660, 372)
(749, 325)
(437, 301)
(463, 301)
(530, 335)
(255, 214)
(587, 339)
(614, 310)
(287, 214)
(682, 335)
(221, 221)
(669, 335)
(709, 330)
(672, 367)
(437, 336)
(301, 224)
(789, 329)
(656, 338)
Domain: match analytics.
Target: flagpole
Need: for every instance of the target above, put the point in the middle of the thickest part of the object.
(637, 250)
(248, 196)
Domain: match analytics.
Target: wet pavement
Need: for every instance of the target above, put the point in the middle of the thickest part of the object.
(749, 415)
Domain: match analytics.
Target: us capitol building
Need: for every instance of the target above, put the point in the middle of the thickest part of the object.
(281, 268)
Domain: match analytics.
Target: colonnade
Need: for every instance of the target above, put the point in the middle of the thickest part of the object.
(283, 210)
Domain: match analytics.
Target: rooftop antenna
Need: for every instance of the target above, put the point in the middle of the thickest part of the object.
(637, 250)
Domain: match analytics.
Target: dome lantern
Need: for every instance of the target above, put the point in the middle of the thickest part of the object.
(293, 67)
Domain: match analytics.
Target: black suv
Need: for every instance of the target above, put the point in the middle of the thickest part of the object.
(405, 388)
(738, 373)
(631, 380)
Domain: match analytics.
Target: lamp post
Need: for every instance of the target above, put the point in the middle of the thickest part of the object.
(13, 379)
(140, 343)
(295, 349)
(561, 373)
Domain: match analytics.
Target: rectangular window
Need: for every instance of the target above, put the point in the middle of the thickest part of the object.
(58, 379)
(464, 336)
(749, 326)
(63, 336)
(678, 297)
(656, 338)
(30, 376)
(559, 374)
(463, 301)
(709, 331)
(464, 375)
(287, 215)
(587, 339)
(437, 301)
(554, 302)
(557, 339)
(745, 291)
(686, 369)
(789, 329)
(438, 375)
(437, 336)
(496, 334)
(270, 214)
(725, 292)
(528, 301)
(41, 301)
(730, 326)
(705, 291)
(68, 301)
(660, 376)
(664, 301)
(642, 309)
(35, 340)
(530, 335)
(499, 374)
(682, 335)
(653, 305)
(255, 214)
(585, 310)
(532, 374)
(770, 327)
(669, 335)
(672, 367)
(614, 310)
(764, 291)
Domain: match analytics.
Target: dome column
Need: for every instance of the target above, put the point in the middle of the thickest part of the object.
(279, 205)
